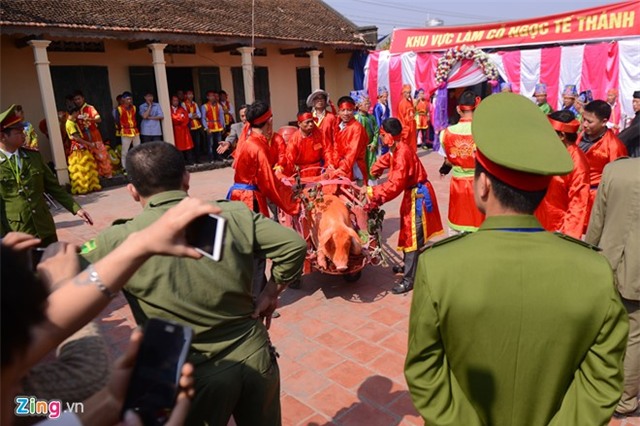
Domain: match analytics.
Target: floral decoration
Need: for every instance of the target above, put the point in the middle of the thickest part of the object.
(458, 53)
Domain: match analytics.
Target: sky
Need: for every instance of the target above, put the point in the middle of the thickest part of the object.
(390, 14)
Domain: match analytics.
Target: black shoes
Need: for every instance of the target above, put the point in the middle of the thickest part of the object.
(402, 288)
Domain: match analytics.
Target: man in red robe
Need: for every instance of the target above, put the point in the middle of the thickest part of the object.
(564, 207)
(407, 116)
(277, 149)
(181, 134)
(598, 143)
(325, 121)
(460, 151)
(254, 179)
(351, 141)
(306, 150)
(88, 121)
(419, 214)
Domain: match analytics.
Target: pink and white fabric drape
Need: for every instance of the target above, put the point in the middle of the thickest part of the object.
(596, 66)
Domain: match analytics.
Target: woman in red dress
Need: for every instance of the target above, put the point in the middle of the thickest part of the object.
(181, 133)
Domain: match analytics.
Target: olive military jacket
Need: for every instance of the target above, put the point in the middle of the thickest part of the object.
(214, 298)
(512, 325)
(24, 207)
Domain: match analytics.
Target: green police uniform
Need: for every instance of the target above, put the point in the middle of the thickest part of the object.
(235, 373)
(24, 206)
(513, 325)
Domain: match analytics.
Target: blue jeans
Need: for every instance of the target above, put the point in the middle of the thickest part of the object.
(213, 139)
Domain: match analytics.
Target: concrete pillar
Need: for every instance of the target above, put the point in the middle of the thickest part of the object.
(247, 73)
(314, 65)
(49, 105)
(157, 53)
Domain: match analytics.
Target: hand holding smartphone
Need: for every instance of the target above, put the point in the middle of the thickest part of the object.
(206, 234)
(35, 256)
(155, 379)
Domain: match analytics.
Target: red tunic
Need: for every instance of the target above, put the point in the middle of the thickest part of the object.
(422, 114)
(328, 127)
(601, 153)
(350, 147)
(212, 116)
(405, 173)
(305, 152)
(181, 133)
(92, 134)
(460, 150)
(128, 124)
(192, 108)
(406, 115)
(277, 148)
(564, 208)
(253, 167)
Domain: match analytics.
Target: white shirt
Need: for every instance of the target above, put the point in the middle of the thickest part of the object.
(11, 154)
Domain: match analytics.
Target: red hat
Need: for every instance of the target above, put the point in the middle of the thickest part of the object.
(9, 119)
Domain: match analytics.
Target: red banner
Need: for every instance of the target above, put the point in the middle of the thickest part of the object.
(613, 21)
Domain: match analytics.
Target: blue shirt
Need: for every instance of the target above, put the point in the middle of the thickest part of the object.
(150, 127)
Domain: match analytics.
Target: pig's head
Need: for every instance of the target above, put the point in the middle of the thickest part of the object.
(338, 244)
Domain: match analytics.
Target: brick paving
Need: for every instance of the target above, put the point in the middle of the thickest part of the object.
(341, 345)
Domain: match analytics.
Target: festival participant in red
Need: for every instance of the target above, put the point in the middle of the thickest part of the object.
(324, 120)
(419, 214)
(598, 143)
(422, 108)
(254, 179)
(180, 121)
(306, 149)
(459, 148)
(564, 207)
(213, 121)
(350, 142)
(277, 149)
(88, 121)
(407, 116)
(195, 122)
(127, 124)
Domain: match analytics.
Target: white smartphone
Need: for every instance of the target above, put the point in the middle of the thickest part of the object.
(206, 234)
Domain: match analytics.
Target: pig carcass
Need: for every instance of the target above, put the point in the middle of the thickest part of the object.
(335, 237)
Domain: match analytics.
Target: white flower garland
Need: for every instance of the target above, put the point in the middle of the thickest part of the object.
(456, 54)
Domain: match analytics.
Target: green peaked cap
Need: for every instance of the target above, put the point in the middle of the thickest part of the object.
(8, 114)
(513, 132)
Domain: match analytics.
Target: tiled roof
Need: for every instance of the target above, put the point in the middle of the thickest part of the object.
(309, 21)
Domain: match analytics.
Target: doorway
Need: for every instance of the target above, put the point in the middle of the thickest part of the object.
(93, 81)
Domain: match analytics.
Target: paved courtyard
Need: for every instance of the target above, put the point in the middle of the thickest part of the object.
(341, 345)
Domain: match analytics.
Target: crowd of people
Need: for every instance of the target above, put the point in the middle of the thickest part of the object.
(197, 132)
(495, 304)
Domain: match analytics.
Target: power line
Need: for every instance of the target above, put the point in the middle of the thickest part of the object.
(431, 11)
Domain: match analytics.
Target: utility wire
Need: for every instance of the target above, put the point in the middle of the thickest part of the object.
(430, 10)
